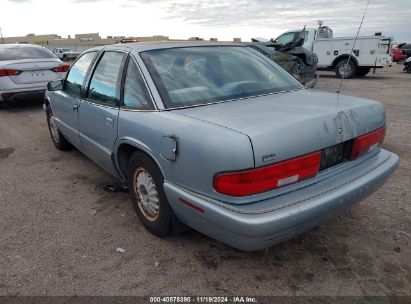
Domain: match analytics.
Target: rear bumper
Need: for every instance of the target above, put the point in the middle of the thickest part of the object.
(253, 228)
(12, 96)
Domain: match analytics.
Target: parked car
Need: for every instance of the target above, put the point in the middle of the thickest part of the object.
(219, 138)
(406, 48)
(26, 69)
(397, 54)
(129, 40)
(301, 64)
(65, 54)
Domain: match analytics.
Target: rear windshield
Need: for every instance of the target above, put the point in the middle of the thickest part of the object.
(198, 75)
(17, 53)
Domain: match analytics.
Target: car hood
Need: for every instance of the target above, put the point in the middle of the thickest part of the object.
(285, 125)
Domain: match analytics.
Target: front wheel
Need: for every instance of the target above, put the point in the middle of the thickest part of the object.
(147, 194)
(345, 69)
(58, 139)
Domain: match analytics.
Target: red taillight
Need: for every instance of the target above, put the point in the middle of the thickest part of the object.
(61, 68)
(9, 72)
(262, 179)
(367, 142)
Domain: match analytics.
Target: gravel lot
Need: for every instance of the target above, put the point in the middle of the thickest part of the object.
(59, 230)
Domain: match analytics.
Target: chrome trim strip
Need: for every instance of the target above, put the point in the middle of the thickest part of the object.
(136, 110)
(92, 142)
(90, 101)
(65, 125)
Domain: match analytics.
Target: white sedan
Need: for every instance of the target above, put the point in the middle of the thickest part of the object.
(26, 69)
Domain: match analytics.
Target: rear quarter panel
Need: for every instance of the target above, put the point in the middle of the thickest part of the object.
(203, 149)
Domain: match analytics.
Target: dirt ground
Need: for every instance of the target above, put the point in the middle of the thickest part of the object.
(59, 230)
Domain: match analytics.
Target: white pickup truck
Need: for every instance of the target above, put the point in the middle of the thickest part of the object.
(333, 53)
(65, 54)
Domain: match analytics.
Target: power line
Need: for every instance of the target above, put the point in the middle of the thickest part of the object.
(1, 34)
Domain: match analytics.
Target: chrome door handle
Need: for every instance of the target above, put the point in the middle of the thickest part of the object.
(75, 108)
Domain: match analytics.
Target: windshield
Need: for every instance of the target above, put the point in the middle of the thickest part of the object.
(199, 75)
(18, 52)
(290, 37)
(66, 50)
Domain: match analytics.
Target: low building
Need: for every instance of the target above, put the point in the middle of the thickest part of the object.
(79, 43)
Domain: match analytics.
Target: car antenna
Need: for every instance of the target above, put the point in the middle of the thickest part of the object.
(352, 49)
(1, 34)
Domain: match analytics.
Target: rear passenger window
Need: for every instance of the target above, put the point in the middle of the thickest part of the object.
(104, 86)
(136, 95)
(75, 77)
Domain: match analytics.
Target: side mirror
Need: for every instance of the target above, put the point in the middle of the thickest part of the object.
(56, 85)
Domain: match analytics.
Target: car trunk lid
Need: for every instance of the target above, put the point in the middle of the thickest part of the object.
(33, 70)
(286, 125)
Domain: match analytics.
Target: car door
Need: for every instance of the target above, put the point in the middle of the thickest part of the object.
(99, 110)
(66, 102)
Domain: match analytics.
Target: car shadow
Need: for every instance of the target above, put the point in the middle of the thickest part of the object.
(370, 76)
(23, 105)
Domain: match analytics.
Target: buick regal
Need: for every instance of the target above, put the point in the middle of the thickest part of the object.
(217, 137)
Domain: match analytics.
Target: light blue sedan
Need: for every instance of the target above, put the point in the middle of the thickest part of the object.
(219, 138)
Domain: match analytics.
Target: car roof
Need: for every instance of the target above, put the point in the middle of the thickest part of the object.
(21, 45)
(148, 46)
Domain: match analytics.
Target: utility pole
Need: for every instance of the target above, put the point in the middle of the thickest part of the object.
(1, 34)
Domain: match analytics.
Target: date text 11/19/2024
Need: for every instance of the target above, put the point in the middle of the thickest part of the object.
(203, 299)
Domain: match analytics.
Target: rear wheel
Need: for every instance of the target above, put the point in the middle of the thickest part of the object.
(64, 57)
(58, 139)
(362, 71)
(147, 194)
(345, 69)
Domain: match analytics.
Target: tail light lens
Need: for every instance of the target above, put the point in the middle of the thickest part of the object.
(61, 68)
(9, 72)
(253, 181)
(367, 143)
